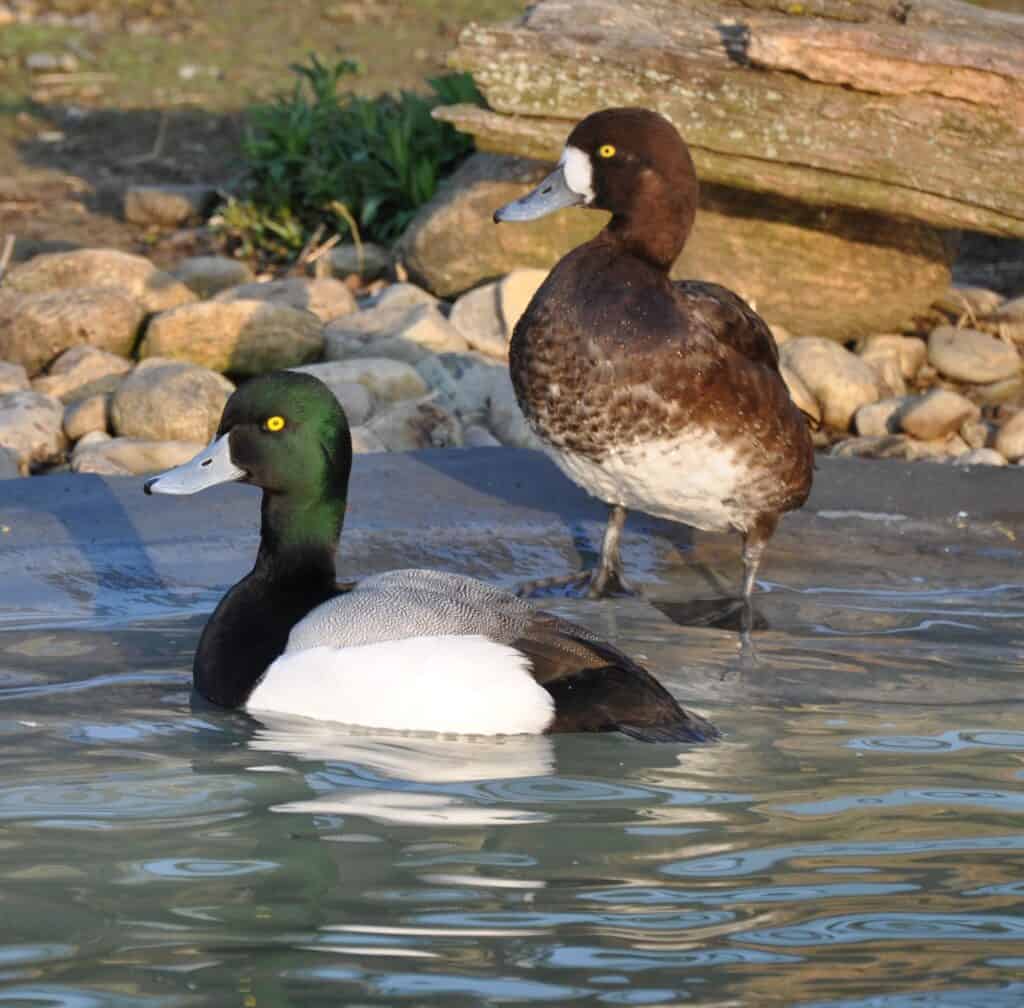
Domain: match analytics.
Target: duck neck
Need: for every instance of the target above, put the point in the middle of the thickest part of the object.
(294, 573)
(656, 223)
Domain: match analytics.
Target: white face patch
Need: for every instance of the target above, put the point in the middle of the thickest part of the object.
(578, 172)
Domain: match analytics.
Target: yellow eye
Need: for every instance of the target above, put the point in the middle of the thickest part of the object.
(606, 150)
(274, 424)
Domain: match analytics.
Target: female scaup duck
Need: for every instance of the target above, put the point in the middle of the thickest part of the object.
(651, 394)
(410, 650)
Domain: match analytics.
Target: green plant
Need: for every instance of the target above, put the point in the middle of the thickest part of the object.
(318, 159)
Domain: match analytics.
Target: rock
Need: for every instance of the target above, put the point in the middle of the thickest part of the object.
(463, 383)
(30, 426)
(9, 465)
(899, 446)
(416, 424)
(997, 393)
(86, 416)
(838, 379)
(127, 456)
(48, 62)
(167, 205)
(971, 356)
(961, 302)
(936, 414)
(82, 371)
(389, 380)
(35, 328)
(241, 337)
(153, 288)
(365, 442)
(506, 419)
(370, 261)
(980, 456)
(209, 275)
(325, 297)
(1007, 321)
(169, 400)
(404, 295)
(976, 433)
(479, 437)
(911, 351)
(93, 437)
(515, 292)
(770, 251)
(477, 316)
(356, 399)
(801, 394)
(888, 370)
(408, 334)
(13, 377)
(781, 335)
(1010, 438)
(878, 419)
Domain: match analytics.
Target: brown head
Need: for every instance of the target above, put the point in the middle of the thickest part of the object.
(633, 163)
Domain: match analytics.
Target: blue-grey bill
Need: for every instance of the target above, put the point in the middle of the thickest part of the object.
(551, 195)
(211, 466)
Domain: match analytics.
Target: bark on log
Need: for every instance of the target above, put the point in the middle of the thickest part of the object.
(907, 108)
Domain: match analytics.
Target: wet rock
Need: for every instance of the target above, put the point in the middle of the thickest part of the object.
(30, 426)
(356, 400)
(169, 400)
(325, 297)
(515, 291)
(128, 456)
(971, 356)
(153, 288)
(968, 302)
(477, 316)
(9, 466)
(82, 371)
(241, 337)
(937, 414)
(416, 424)
(980, 456)
(167, 205)
(876, 420)
(13, 377)
(1010, 439)
(404, 295)
(801, 394)
(463, 383)
(209, 275)
(84, 416)
(370, 261)
(838, 379)
(388, 380)
(365, 442)
(408, 334)
(506, 419)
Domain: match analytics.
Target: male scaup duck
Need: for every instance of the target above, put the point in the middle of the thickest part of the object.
(410, 650)
(658, 395)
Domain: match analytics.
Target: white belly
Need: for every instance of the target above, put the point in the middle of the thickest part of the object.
(693, 478)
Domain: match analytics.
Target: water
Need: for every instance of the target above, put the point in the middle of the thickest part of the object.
(856, 840)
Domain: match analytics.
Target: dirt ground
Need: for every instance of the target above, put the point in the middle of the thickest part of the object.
(97, 96)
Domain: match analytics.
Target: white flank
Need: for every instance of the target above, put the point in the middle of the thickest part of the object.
(451, 684)
(692, 478)
(578, 172)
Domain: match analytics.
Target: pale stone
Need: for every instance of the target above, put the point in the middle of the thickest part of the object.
(85, 416)
(13, 377)
(389, 380)
(781, 335)
(167, 205)
(240, 337)
(899, 446)
(168, 400)
(963, 302)
(405, 334)
(997, 393)
(368, 261)
(365, 442)
(1007, 321)
(208, 275)
(127, 456)
(404, 295)
(463, 383)
(477, 316)
(325, 297)
(976, 433)
(356, 399)
(506, 419)
(82, 371)
(30, 426)
(154, 289)
(801, 394)
(479, 437)
(880, 418)
(971, 356)
(1010, 438)
(36, 328)
(10, 467)
(980, 456)
(92, 437)
(838, 379)
(515, 292)
(416, 424)
(936, 414)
